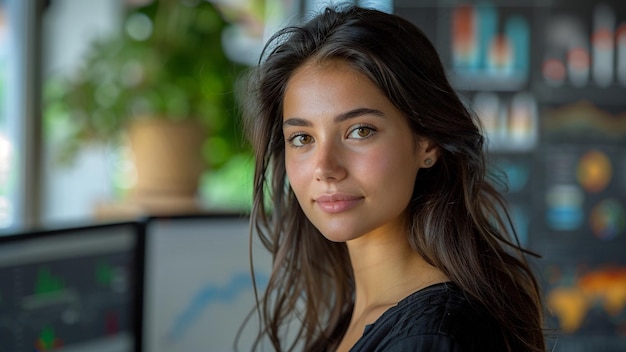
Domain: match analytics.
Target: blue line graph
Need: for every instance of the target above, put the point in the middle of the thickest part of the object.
(210, 294)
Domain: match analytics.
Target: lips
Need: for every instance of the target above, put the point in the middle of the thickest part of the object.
(337, 203)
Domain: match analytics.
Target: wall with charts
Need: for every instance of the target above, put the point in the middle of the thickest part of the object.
(548, 81)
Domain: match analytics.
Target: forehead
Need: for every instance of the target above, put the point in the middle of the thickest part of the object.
(329, 85)
(316, 67)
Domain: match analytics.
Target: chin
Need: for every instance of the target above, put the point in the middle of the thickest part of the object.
(338, 228)
(339, 235)
(337, 239)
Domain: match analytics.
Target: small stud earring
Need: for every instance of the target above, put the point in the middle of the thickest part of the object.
(428, 161)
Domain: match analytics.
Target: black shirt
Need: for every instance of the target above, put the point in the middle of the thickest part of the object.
(435, 319)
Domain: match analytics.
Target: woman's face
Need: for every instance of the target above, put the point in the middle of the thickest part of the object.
(350, 155)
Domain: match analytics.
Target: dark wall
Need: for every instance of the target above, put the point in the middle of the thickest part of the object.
(548, 80)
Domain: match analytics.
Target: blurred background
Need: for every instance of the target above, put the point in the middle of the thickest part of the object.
(117, 109)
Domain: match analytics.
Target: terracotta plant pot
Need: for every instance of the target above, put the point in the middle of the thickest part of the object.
(167, 156)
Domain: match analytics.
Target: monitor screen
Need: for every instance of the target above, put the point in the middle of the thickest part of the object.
(198, 286)
(70, 289)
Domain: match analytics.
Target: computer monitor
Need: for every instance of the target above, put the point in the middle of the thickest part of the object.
(71, 289)
(198, 286)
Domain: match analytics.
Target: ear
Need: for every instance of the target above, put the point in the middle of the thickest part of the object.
(428, 153)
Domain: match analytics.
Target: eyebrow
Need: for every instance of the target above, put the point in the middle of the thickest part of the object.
(295, 121)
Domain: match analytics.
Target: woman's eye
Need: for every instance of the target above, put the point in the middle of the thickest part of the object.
(361, 132)
(300, 140)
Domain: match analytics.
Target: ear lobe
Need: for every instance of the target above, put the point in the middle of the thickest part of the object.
(429, 153)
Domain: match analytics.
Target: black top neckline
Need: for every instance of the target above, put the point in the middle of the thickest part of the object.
(422, 293)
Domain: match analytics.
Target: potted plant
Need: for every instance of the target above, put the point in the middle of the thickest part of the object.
(166, 84)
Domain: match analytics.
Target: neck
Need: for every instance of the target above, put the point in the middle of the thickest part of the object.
(386, 270)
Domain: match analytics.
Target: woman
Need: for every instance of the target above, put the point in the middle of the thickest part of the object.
(370, 190)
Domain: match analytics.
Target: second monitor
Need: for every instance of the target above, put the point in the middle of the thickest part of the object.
(198, 288)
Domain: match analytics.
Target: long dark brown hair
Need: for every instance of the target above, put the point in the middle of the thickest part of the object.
(459, 222)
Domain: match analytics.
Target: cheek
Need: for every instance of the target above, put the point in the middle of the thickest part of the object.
(387, 166)
(372, 166)
(296, 174)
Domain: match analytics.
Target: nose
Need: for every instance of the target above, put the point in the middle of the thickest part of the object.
(329, 166)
